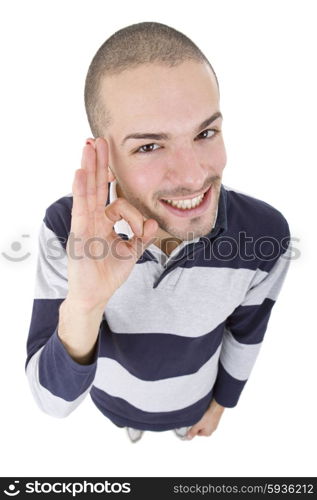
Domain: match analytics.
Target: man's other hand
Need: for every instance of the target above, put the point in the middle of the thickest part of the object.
(208, 423)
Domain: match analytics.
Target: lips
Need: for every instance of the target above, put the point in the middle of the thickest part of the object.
(188, 198)
(190, 212)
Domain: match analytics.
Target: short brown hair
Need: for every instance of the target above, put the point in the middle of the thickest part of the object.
(141, 43)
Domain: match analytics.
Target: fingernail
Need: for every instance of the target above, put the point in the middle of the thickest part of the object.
(90, 142)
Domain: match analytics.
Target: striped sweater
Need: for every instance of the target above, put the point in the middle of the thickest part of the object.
(183, 329)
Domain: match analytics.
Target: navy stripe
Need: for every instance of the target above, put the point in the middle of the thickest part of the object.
(234, 250)
(156, 356)
(265, 224)
(58, 218)
(60, 374)
(44, 321)
(248, 323)
(227, 389)
(113, 408)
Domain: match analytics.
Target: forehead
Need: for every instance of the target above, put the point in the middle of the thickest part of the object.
(150, 95)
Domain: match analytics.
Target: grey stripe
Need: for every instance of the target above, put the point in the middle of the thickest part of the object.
(51, 280)
(156, 396)
(268, 285)
(191, 302)
(48, 402)
(236, 358)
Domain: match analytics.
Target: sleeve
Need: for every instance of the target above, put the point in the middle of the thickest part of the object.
(245, 327)
(58, 383)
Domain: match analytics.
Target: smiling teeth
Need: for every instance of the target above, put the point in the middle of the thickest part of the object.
(186, 204)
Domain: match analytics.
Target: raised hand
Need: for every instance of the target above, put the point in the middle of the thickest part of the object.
(99, 260)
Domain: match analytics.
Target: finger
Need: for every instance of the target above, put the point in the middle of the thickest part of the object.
(139, 244)
(79, 208)
(193, 431)
(91, 141)
(89, 164)
(102, 174)
(122, 209)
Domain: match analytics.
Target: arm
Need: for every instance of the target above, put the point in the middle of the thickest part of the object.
(243, 335)
(59, 376)
(246, 326)
(63, 342)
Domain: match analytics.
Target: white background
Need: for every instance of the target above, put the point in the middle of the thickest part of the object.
(264, 54)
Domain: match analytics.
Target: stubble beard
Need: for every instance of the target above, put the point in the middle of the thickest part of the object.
(196, 226)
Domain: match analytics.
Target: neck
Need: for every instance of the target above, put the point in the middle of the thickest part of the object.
(166, 242)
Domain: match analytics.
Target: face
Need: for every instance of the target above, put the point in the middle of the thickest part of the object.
(166, 146)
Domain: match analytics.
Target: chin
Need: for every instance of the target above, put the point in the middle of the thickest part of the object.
(193, 231)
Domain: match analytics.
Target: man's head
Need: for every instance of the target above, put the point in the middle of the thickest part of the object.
(152, 94)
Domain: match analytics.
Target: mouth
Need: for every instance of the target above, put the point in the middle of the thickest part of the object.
(189, 207)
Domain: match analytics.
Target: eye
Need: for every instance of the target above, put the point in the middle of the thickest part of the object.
(147, 148)
(207, 134)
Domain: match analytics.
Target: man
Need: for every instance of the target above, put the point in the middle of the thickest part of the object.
(155, 282)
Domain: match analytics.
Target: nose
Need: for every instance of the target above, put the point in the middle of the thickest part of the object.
(186, 172)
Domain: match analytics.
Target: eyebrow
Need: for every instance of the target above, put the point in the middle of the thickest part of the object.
(162, 135)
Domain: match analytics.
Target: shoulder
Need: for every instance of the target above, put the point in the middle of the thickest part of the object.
(57, 216)
(255, 216)
(59, 213)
